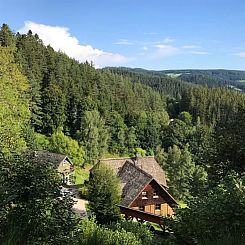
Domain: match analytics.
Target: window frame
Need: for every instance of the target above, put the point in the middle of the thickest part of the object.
(155, 194)
(142, 208)
(144, 195)
(158, 209)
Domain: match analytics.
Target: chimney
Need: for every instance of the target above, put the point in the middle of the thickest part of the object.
(136, 161)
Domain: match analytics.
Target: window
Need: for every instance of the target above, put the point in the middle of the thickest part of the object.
(155, 194)
(144, 195)
(142, 208)
(157, 206)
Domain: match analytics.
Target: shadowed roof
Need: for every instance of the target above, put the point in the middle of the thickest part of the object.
(47, 157)
(133, 181)
(148, 164)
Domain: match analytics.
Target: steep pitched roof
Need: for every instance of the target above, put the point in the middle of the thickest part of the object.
(148, 164)
(133, 181)
(45, 156)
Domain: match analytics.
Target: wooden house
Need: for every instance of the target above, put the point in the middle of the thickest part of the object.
(61, 162)
(144, 188)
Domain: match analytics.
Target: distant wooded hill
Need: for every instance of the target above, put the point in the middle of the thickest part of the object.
(235, 79)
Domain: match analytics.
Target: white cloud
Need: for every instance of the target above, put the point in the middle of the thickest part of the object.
(124, 42)
(60, 39)
(198, 52)
(240, 54)
(167, 50)
(164, 50)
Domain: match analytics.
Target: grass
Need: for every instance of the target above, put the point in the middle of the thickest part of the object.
(109, 155)
(82, 174)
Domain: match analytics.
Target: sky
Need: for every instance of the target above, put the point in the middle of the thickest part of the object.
(150, 34)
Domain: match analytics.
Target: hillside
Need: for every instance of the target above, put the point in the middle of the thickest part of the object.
(233, 79)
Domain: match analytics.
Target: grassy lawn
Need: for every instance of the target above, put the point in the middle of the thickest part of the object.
(82, 174)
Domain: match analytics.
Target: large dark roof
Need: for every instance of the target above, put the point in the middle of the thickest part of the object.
(148, 164)
(133, 181)
(47, 157)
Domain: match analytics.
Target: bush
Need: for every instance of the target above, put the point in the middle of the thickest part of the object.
(217, 216)
(104, 194)
(90, 233)
(140, 231)
(83, 192)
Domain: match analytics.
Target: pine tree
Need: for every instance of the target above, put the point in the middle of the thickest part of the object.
(93, 136)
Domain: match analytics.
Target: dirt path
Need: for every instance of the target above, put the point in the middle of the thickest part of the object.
(80, 205)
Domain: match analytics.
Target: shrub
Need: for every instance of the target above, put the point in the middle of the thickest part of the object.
(140, 231)
(83, 192)
(217, 216)
(89, 233)
(104, 194)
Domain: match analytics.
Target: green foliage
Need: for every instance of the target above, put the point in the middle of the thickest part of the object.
(32, 209)
(60, 143)
(117, 130)
(82, 174)
(184, 177)
(217, 215)
(140, 151)
(90, 233)
(93, 135)
(176, 133)
(230, 145)
(141, 232)
(104, 194)
(54, 103)
(180, 168)
(41, 142)
(105, 111)
(185, 117)
(14, 108)
(83, 192)
(6, 36)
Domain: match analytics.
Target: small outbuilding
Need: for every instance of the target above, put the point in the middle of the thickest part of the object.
(61, 162)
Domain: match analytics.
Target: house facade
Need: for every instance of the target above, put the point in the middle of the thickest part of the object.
(144, 188)
(61, 162)
(152, 200)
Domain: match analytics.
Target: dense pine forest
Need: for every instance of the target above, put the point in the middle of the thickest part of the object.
(193, 124)
(233, 79)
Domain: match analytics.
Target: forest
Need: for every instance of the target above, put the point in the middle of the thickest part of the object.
(211, 78)
(195, 130)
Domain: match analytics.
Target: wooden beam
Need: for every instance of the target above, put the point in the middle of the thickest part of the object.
(140, 215)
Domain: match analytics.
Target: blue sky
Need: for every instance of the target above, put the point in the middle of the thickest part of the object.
(152, 34)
